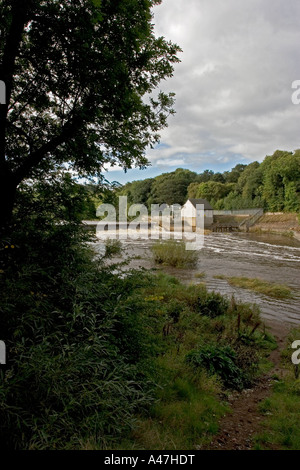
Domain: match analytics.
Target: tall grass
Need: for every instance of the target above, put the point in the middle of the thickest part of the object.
(78, 349)
(280, 429)
(113, 247)
(271, 289)
(192, 321)
(174, 253)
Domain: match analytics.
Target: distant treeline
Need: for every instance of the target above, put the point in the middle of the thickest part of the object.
(273, 185)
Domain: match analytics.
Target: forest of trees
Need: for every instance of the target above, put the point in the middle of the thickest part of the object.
(273, 185)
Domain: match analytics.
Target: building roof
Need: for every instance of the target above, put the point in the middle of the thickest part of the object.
(206, 204)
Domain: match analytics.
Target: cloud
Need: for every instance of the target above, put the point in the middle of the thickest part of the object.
(171, 162)
(234, 83)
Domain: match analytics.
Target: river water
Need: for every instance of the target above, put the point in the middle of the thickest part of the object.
(270, 257)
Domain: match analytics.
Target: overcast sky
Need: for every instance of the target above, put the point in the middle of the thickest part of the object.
(233, 86)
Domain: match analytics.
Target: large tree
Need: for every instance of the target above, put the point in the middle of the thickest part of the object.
(80, 77)
(171, 188)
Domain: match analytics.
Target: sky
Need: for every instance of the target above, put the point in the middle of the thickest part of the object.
(233, 85)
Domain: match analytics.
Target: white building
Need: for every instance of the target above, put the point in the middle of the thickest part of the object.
(188, 212)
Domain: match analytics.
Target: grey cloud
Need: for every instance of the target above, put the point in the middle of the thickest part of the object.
(233, 86)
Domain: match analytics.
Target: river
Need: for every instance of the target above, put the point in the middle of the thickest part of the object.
(270, 257)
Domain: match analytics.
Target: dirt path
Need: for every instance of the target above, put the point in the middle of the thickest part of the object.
(238, 427)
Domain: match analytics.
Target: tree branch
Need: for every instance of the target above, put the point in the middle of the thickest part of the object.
(34, 158)
(14, 38)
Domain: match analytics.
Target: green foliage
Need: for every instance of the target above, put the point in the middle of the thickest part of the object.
(212, 304)
(80, 78)
(281, 181)
(280, 428)
(96, 356)
(213, 191)
(220, 361)
(234, 175)
(193, 190)
(137, 192)
(174, 253)
(79, 346)
(205, 176)
(112, 247)
(279, 291)
(188, 408)
(171, 188)
(272, 185)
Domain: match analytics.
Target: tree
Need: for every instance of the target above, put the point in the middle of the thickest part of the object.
(213, 191)
(192, 190)
(281, 176)
(205, 176)
(79, 79)
(250, 184)
(233, 175)
(218, 177)
(171, 188)
(137, 192)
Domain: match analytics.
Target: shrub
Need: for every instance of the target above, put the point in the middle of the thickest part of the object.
(212, 304)
(112, 247)
(218, 360)
(77, 363)
(173, 253)
(78, 347)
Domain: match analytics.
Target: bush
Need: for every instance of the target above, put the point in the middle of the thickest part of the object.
(220, 361)
(77, 363)
(212, 304)
(173, 253)
(112, 248)
(78, 346)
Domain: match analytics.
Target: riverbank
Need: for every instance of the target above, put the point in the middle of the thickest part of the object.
(212, 348)
(286, 224)
(273, 258)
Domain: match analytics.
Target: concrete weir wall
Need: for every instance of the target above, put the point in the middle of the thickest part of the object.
(208, 221)
(240, 220)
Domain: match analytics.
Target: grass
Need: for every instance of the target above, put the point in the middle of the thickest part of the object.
(113, 247)
(173, 253)
(286, 217)
(280, 429)
(271, 289)
(200, 275)
(191, 398)
(187, 411)
(282, 410)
